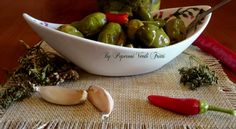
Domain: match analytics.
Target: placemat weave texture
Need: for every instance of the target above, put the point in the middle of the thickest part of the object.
(131, 109)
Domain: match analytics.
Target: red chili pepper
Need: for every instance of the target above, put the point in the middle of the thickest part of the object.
(185, 106)
(120, 18)
(214, 48)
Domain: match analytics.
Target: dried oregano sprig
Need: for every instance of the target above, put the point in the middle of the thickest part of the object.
(37, 68)
(16, 92)
(196, 76)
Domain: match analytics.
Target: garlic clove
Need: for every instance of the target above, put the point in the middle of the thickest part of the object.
(101, 99)
(62, 96)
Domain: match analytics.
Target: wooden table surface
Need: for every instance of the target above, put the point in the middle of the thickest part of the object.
(222, 26)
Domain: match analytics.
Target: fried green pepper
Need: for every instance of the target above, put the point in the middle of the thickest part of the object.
(70, 30)
(110, 33)
(111, 5)
(132, 27)
(176, 29)
(91, 24)
(143, 13)
(152, 36)
(122, 39)
(129, 6)
(155, 5)
(121, 6)
(152, 5)
(157, 22)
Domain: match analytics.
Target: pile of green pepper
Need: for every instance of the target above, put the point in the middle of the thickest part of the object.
(139, 30)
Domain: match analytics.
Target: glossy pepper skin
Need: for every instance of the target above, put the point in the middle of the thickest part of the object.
(143, 14)
(132, 27)
(176, 29)
(110, 33)
(127, 5)
(152, 36)
(157, 22)
(70, 30)
(185, 106)
(91, 24)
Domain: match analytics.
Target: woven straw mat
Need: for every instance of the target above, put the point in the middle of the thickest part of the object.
(131, 110)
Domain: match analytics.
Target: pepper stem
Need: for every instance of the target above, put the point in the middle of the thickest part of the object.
(224, 110)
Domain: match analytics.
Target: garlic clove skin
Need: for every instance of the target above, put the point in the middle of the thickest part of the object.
(62, 96)
(101, 99)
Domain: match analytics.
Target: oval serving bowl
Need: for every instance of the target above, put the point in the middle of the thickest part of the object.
(111, 60)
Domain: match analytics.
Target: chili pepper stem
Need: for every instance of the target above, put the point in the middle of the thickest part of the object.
(218, 109)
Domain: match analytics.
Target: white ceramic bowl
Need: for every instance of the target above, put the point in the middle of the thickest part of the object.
(110, 60)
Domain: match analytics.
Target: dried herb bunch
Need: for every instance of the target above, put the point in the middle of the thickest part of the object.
(37, 68)
(196, 76)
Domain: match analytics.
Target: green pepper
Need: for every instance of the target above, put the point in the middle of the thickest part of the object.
(143, 13)
(176, 29)
(127, 9)
(128, 6)
(155, 5)
(132, 27)
(122, 39)
(151, 5)
(159, 22)
(70, 30)
(111, 5)
(91, 24)
(152, 36)
(110, 33)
